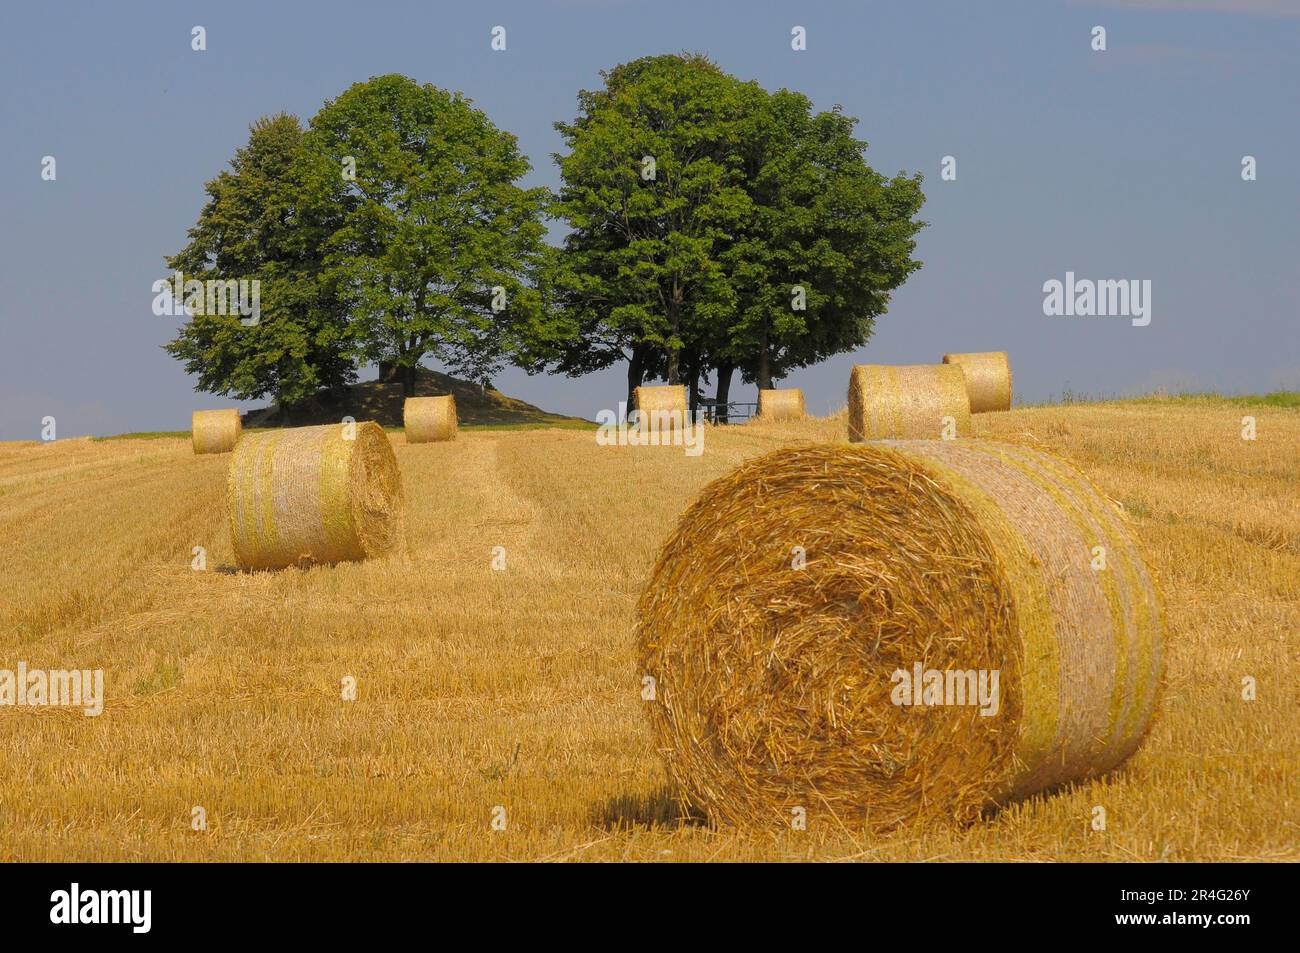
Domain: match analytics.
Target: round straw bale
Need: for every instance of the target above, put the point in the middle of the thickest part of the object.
(215, 431)
(785, 403)
(314, 495)
(796, 589)
(907, 401)
(661, 409)
(988, 379)
(429, 419)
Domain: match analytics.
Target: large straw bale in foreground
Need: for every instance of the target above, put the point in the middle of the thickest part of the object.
(908, 401)
(429, 419)
(215, 431)
(661, 409)
(988, 379)
(782, 403)
(776, 685)
(311, 495)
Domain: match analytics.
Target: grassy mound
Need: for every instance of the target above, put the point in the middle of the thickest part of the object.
(381, 401)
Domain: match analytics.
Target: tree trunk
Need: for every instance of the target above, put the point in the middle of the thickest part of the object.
(674, 353)
(674, 366)
(693, 391)
(635, 375)
(408, 380)
(764, 366)
(723, 394)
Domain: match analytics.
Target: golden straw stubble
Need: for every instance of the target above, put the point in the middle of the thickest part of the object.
(429, 419)
(215, 431)
(314, 495)
(988, 379)
(908, 402)
(795, 589)
(782, 403)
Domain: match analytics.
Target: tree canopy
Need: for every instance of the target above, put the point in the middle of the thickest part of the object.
(651, 190)
(713, 227)
(253, 227)
(760, 239)
(437, 251)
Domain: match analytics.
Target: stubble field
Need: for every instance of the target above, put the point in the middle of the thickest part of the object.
(484, 693)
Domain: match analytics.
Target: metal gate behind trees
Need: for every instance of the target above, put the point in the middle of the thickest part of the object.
(731, 412)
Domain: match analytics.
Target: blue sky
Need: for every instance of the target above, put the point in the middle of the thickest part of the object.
(1124, 164)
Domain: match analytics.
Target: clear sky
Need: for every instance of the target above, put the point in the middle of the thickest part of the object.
(1123, 164)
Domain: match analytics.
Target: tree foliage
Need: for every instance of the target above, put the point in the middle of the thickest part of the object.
(651, 190)
(433, 230)
(253, 227)
(714, 227)
(827, 240)
(753, 197)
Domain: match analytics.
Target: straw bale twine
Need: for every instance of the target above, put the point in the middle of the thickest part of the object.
(775, 684)
(784, 403)
(312, 495)
(661, 410)
(909, 401)
(988, 379)
(429, 419)
(215, 431)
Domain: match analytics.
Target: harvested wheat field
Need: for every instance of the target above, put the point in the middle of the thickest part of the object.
(512, 694)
